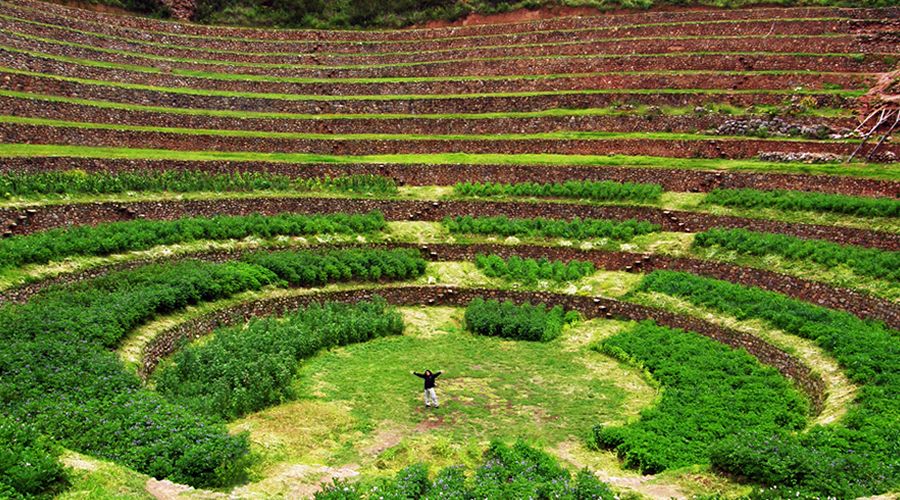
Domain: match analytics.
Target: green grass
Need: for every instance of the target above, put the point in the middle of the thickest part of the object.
(870, 170)
(98, 479)
(560, 135)
(549, 392)
(541, 57)
(402, 53)
(642, 110)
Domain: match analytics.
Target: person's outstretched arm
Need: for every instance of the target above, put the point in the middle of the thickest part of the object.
(420, 375)
(438, 373)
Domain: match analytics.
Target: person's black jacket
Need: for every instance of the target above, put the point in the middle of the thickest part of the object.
(429, 379)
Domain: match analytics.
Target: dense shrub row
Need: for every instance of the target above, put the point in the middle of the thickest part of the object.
(56, 371)
(803, 200)
(246, 368)
(529, 271)
(105, 239)
(591, 190)
(181, 181)
(578, 229)
(710, 392)
(28, 463)
(517, 471)
(520, 322)
(865, 261)
(859, 456)
(318, 268)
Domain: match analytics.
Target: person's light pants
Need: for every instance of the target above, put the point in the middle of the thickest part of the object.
(431, 397)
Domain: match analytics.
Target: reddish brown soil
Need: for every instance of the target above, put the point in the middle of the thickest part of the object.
(516, 16)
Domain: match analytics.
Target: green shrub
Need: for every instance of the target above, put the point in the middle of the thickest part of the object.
(859, 455)
(308, 268)
(181, 181)
(710, 392)
(105, 239)
(520, 322)
(579, 229)
(29, 465)
(517, 471)
(802, 200)
(244, 369)
(872, 262)
(58, 374)
(591, 190)
(529, 271)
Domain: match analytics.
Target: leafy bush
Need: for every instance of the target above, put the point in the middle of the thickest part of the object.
(710, 392)
(249, 367)
(860, 455)
(58, 375)
(802, 200)
(539, 227)
(56, 371)
(29, 465)
(529, 271)
(521, 322)
(105, 239)
(181, 181)
(307, 268)
(517, 471)
(865, 261)
(591, 190)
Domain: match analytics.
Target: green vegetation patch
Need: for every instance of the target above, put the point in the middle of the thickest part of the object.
(530, 271)
(14, 184)
(859, 456)
(807, 201)
(113, 237)
(29, 463)
(710, 392)
(871, 262)
(249, 367)
(521, 322)
(590, 190)
(517, 471)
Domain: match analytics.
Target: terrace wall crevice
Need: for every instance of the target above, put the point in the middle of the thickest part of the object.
(169, 341)
(45, 217)
(860, 304)
(681, 180)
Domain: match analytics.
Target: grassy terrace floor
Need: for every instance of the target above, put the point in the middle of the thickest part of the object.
(867, 170)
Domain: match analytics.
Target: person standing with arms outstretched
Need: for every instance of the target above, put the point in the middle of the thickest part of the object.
(430, 394)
